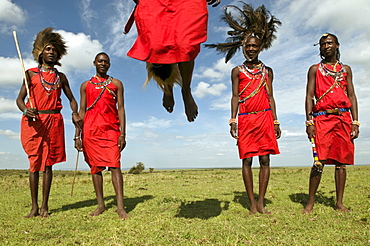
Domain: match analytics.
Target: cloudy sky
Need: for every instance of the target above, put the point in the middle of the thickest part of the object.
(163, 140)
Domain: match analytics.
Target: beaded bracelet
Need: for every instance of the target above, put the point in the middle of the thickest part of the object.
(75, 138)
(355, 122)
(309, 123)
(276, 122)
(74, 113)
(232, 121)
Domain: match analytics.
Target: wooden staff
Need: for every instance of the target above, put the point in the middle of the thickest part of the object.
(130, 21)
(74, 175)
(23, 69)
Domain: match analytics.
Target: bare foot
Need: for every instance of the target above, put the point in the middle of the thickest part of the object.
(253, 210)
(191, 108)
(97, 212)
(263, 210)
(342, 208)
(44, 213)
(308, 209)
(168, 102)
(122, 214)
(34, 212)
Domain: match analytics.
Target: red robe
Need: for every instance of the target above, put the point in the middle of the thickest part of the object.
(256, 131)
(169, 31)
(333, 132)
(43, 139)
(101, 128)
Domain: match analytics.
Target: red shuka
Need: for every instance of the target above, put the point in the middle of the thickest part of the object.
(256, 131)
(43, 139)
(101, 128)
(333, 132)
(169, 31)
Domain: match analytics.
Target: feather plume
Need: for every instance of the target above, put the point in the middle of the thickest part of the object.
(46, 37)
(244, 22)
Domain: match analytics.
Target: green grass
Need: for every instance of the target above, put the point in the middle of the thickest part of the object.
(188, 207)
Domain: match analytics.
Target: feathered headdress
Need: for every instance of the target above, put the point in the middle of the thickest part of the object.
(46, 37)
(246, 22)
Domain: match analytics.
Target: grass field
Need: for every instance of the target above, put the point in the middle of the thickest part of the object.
(188, 207)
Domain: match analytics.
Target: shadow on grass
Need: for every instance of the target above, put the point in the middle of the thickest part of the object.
(242, 198)
(202, 209)
(130, 203)
(302, 198)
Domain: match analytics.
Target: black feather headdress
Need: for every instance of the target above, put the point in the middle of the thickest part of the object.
(246, 22)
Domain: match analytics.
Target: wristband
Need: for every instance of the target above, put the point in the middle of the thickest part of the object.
(75, 138)
(276, 122)
(355, 122)
(309, 123)
(74, 113)
(232, 121)
(25, 111)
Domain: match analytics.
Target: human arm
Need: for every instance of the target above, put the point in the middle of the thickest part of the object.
(234, 100)
(28, 112)
(82, 111)
(352, 97)
(309, 101)
(272, 102)
(76, 119)
(121, 114)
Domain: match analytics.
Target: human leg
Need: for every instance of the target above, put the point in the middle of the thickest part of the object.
(315, 178)
(168, 101)
(117, 181)
(340, 182)
(97, 179)
(47, 178)
(248, 183)
(264, 177)
(34, 188)
(186, 71)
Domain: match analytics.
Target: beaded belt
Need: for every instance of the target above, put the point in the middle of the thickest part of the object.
(336, 111)
(255, 112)
(54, 111)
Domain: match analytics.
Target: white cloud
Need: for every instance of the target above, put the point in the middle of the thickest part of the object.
(203, 89)
(11, 16)
(7, 105)
(152, 123)
(81, 51)
(9, 134)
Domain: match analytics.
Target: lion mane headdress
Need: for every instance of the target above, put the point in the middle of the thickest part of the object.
(246, 22)
(47, 37)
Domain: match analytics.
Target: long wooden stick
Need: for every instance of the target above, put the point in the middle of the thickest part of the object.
(74, 175)
(23, 69)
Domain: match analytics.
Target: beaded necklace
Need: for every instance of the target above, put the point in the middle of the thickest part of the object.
(338, 76)
(253, 75)
(49, 86)
(103, 85)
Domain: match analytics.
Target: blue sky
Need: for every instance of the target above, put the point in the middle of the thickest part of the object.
(163, 140)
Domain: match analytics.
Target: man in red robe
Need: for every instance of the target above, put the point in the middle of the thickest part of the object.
(258, 127)
(42, 128)
(104, 130)
(169, 36)
(333, 120)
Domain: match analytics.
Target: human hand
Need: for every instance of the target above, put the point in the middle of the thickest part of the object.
(214, 2)
(311, 131)
(121, 142)
(78, 144)
(77, 121)
(277, 131)
(30, 112)
(234, 131)
(355, 131)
